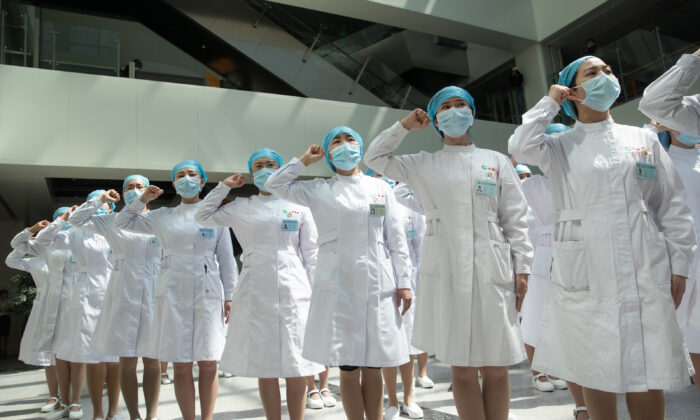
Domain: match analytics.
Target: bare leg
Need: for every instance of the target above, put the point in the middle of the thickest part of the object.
(389, 374)
(601, 405)
(422, 364)
(695, 358)
(208, 387)
(64, 382)
(95, 382)
(77, 379)
(467, 393)
(269, 389)
(151, 386)
(372, 392)
(184, 389)
(646, 405)
(496, 392)
(113, 388)
(407, 381)
(163, 367)
(576, 392)
(530, 351)
(310, 383)
(296, 400)
(130, 385)
(323, 382)
(351, 395)
(52, 380)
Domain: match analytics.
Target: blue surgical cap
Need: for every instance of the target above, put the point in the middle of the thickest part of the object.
(330, 135)
(665, 139)
(370, 172)
(189, 164)
(556, 128)
(261, 153)
(520, 168)
(59, 211)
(566, 76)
(98, 193)
(132, 177)
(443, 95)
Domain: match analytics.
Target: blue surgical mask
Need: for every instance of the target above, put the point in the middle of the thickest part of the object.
(188, 187)
(391, 182)
(67, 226)
(601, 92)
(346, 156)
(688, 139)
(454, 122)
(260, 177)
(132, 195)
(102, 210)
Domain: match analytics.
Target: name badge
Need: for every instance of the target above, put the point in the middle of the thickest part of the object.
(377, 210)
(486, 187)
(290, 225)
(206, 232)
(72, 261)
(645, 170)
(411, 234)
(154, 241)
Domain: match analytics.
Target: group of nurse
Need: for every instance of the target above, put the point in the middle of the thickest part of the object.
(356, 272)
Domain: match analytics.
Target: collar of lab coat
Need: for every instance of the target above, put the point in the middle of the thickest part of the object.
(350, 178)
(265, 198)
(459, 148)
(597, 126)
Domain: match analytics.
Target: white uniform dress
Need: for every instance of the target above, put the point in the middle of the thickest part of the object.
(622, 227)
(664, 102)
(94, 261)
(476, 238)
(37, 268)
(197, 274)
(353, 317)
(271, 301)
(55, 299)
(414, 227)
(124, 326)
(539, 198)
(687, 164)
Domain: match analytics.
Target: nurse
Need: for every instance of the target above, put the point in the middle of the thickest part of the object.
(476, 252)
(124, 326)
(94, 259)
(271, 302)
(623, 244)
(194, 286)
(363, 271)
(523, 171)
(664, 102)
(39, 270)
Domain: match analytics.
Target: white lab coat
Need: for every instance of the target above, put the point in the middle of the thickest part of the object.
(664, 102)
(539, 199)
(271, 301)
(124, 326)
(609, 320)
(37, 268)
(473, 244)
(353, 317)
(197, 274)
(94, 259)
(687, 164)
(414, 228)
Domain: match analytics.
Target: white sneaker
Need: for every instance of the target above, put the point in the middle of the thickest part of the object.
(328, 401)
(315, 403)
(424, 382)
(392, 413)
(75, 415)
(51, 406)
(558, 383)
(545, 386)
(412, 410)
(165, 379)
(59, 413)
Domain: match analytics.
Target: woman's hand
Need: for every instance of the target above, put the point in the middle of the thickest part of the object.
(520, 290)
(151, 194)
(416, 120)
(227, 310)
(234, 181)
(66, 215)
(38, 226)
(110, 196)
(677, 289)
(559, 93)
(312, 155)
(403, 295)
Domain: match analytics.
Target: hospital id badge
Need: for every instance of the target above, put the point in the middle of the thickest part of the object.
(290, 225)
(154, 242)
(645, 170)
(206, 232)
(411, 234)
(485, 187)
(377, 210)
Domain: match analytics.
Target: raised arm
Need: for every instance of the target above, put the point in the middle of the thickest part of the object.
(405, 196)
(210, 212)
(85, 218)
(307, 244)
(53, 236)
(22, 241)
(132, 218)
(16, 259)
(283, 182)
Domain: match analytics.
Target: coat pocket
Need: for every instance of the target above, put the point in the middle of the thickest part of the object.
(569, 267)
(502, 265)
(659, 261)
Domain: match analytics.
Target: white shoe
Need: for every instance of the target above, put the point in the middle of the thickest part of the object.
(165, 379)
(424, 382)
(578, 410)
(328, 401)
(226, 375)
(75, 415)
(512, 416)
(315, 403)
(545, 386)
(116, 417)
(51, 406)
(392, 413)
(558, 383)
(412, 410)
(59, 413)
